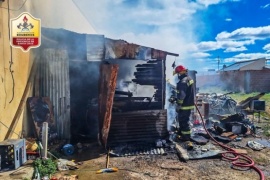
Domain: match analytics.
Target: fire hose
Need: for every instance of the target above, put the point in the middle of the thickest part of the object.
(249, 162)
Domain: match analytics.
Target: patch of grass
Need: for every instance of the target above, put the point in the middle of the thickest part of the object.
(261, 160)
(242, 96)
(266, 130)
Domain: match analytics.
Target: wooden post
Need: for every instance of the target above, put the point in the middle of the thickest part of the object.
(107, 85)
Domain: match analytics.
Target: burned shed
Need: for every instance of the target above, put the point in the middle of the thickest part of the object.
(102, 87)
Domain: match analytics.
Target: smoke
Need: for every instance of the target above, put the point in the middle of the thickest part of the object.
(125, 76)
(164, 25)
(54, 14)
(168, 26)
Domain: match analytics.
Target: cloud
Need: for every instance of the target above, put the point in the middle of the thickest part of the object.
(235, 41)
(265, 6)
(267, 48)
(236, 49)
(215, 45)
(104, 13)
(246, 33)
(200, 55)
(171, 12)
(209, 2)
(208, 46)
(166, 25)
(228, 19)
(247, 56)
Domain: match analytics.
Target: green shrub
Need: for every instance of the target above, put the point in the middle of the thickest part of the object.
(45, 167)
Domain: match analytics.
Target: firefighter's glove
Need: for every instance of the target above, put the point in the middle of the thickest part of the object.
(172, 99)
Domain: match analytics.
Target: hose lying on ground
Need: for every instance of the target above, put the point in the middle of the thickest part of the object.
(249, 162)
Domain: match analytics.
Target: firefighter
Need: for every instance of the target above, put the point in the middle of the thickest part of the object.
(184, 102)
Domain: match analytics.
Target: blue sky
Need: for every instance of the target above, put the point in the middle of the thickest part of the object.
(202, 32)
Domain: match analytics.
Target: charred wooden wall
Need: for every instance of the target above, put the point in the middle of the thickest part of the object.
(152, 73)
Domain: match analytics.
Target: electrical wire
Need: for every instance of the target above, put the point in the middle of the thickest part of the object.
(249, 162)
(11, 58)
(4, 69)
(11, 130)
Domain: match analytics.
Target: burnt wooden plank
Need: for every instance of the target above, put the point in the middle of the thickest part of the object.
(132, 98)
(107, 85)
(144, 113)
(131, 128)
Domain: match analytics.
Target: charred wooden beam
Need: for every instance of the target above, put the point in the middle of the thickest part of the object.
(157, 76)
(147, 65)
(142, 69)
(155, 61)
(129, 105)
(132, 98)
(150, 79)
(172, 54)
(163, 65)
(154, 113)
(148, 73)
(107, 85)
(129, 94)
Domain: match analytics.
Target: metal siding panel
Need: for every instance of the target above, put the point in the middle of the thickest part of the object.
(95, 47)
(138, 126)
(54, 81)
(66, 91)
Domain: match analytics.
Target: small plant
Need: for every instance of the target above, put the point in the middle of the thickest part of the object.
(45, 167)
(266, 130)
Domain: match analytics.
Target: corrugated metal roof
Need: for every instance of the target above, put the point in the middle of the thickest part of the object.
(237, 66)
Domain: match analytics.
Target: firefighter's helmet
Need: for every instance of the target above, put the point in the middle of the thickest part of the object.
(179, 69)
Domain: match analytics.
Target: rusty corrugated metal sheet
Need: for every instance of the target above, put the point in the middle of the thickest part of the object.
(54, 83)
(138, 126)
(95, 47)
(107, 85)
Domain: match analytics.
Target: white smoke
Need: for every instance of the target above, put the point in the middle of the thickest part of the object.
(54, 14)
(172, 27)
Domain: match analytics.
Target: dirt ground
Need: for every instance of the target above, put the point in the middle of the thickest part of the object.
(158, 167)
(170, 166)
